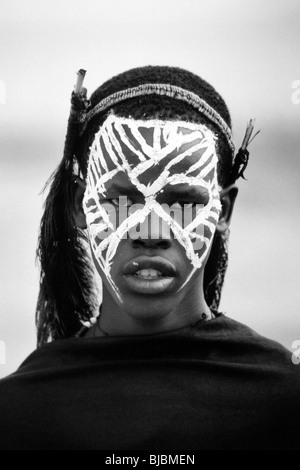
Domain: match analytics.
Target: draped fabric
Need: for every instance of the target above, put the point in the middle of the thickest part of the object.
(214, 385)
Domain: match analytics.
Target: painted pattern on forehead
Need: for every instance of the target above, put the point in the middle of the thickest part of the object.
(135, 147)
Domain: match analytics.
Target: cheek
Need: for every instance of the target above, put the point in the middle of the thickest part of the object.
(106, 278)
(202, 234)
(101, 219)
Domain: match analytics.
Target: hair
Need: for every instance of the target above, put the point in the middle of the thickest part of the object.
(66, 296)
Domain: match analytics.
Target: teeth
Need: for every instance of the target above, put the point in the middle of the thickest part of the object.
(148, 273)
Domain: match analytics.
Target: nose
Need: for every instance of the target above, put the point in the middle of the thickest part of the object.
(149, 243)
(153, 232)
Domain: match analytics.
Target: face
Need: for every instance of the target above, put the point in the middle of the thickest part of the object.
(151, 204)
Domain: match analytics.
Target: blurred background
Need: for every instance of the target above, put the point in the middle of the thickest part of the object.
(248, 50)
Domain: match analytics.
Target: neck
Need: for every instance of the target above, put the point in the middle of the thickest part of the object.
(137, 318)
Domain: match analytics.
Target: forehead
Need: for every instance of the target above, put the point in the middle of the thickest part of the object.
(151, 148)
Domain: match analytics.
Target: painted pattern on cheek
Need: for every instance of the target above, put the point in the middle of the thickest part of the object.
(118, 135)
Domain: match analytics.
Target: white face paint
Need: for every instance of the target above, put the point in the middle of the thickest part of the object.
(107, 158)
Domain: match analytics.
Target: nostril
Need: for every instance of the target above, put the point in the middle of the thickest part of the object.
(163, 244)
(138, 243)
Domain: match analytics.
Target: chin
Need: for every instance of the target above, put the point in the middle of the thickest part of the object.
(147, 306)
(149, 313)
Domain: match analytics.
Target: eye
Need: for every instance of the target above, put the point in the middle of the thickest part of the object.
(122, 201)
(183, 205)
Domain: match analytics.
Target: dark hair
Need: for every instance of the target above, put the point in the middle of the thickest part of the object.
(162, 107)
(66, 283)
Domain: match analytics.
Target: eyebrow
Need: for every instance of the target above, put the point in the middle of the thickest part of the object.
(188, 192)
(123, 189)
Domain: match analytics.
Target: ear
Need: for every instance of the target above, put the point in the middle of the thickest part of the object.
(79, 216)
(227, 196)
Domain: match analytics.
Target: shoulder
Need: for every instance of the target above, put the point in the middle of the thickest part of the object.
(236, 341)
(241, 333)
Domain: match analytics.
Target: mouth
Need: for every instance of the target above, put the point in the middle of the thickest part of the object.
(149, 274)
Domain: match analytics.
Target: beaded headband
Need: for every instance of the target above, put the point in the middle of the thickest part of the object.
(81, 115)
(161, 89)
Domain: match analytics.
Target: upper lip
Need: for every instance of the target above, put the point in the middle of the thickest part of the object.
(150, 262)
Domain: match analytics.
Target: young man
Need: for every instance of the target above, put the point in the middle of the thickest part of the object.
(147, 179)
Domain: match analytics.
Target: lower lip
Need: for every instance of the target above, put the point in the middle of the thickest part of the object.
(149, 286)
